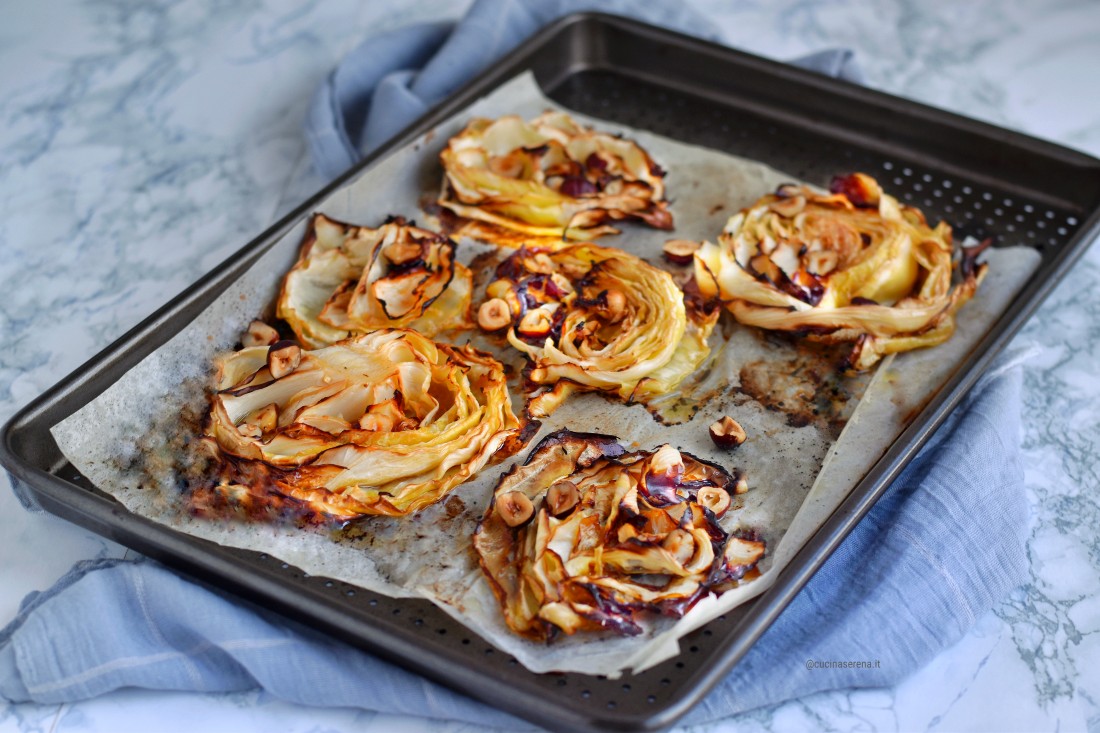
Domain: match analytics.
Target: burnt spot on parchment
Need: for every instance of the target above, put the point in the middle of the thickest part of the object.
(806, 381)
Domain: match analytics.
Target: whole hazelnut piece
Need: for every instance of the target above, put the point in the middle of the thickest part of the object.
(259, 334)
(494, 314)
(562, 497)
(282, 358)
(680, 251)
(614, 305)
(514, 508)
(727, 433)
(713, 498)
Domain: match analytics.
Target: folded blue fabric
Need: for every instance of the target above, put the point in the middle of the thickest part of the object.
(938, 549)
(941, 546)
(389, 81)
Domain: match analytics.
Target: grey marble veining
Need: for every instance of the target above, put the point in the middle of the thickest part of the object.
(142, 143)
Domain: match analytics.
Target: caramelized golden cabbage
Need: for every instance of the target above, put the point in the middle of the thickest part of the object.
(854, 265)
(593, 318)
(351, 279)
(384, 423)
(548, 178)
(584, 536)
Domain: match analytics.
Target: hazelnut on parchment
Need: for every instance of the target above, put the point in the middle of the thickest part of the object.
(259, 334)
(727, 433)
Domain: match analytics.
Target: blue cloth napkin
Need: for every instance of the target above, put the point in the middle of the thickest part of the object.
(389, 81)
(942, 545)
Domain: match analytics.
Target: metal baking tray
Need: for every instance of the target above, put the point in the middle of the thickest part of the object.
(982, 179)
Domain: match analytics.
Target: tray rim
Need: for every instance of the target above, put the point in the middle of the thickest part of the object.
(125, 350)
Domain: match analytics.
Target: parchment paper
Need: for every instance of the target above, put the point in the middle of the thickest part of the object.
(127, 440)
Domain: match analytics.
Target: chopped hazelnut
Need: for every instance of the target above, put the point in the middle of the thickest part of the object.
(787, 190)
(259, 334)
(859, 188)
(401, 252)
(562, 497)
(535, 323)
(713, 498)
(680, 251)
(727, 433)
(789, 207)
(614, 305)
(283, 358)
(666, 460)
(498, 288)
(764, 265)
(822, 261)
(562, 282)
(514, 508)
(540, 263)
(494, 314)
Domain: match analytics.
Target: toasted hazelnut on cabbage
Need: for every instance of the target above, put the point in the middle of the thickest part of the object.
(351, 279)
(592, 318)
(851, 266)
(259, 334)
(610, 536)
(385, 423)
(514, 180)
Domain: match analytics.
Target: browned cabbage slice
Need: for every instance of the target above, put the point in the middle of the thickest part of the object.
(351, 279)
(384, 423)
(593, 318)
(548, 178)
(853, 265)
(585, 536)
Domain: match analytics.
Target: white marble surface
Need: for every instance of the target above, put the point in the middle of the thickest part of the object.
(141, 143)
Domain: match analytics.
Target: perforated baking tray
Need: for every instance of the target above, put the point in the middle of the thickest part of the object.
(983, 180)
